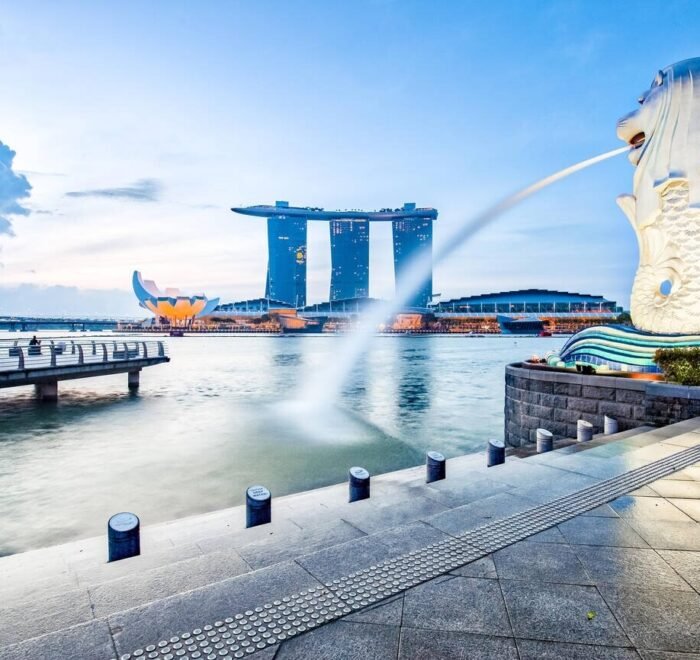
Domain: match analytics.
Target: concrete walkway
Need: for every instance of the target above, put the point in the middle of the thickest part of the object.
(617, 580)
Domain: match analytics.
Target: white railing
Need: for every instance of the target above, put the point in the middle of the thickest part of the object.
(20, 355)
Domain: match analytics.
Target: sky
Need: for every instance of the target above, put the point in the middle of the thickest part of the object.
(136, 126)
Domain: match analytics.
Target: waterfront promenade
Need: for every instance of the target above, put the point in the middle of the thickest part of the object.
(591, 551)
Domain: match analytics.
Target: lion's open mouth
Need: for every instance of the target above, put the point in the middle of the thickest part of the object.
(638, 140)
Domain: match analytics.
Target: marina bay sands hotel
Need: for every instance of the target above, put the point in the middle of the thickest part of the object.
(412, 230)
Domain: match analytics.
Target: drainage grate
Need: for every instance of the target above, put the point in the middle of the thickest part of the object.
(253, 630)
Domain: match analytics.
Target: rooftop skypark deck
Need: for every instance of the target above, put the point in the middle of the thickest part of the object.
(316, 213)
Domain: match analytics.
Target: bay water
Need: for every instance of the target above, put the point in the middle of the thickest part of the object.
(216, 419)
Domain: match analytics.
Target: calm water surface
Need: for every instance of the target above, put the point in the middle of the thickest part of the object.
(204, 427)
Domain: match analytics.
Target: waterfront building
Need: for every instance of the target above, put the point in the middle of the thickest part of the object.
(349, 259)
(412, 230)
(528, 311)
(525, 312)
(350, 306)
(254, 306)
(171, 306)
(286, 259)
(411, 237)
(530, 301)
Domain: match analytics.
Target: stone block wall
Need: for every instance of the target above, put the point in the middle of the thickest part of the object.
(556, 400)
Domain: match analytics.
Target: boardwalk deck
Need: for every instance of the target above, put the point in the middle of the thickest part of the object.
(52, 361)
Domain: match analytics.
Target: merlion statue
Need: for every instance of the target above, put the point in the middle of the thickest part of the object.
(664, 133)
(664, 136)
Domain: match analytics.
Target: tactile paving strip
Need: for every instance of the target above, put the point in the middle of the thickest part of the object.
(272, 623)
(246, 633)
(400, 573)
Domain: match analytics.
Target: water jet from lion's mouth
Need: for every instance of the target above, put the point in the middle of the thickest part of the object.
(325, 384)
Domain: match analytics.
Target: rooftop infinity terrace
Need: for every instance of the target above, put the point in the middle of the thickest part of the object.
(316, 213)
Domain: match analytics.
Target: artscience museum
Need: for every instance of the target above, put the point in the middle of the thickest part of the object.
(171, 304)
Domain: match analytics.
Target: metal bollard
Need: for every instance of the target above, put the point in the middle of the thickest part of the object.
(584, 431)
(258, 506)
(545, 441)
(496, 453)
(434, 466)
(610, 425)
(123, 536)
(358, 479)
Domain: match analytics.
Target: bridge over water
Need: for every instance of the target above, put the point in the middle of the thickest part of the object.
(45, 364)
(32, 323)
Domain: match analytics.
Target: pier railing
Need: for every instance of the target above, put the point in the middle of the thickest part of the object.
(19, 355)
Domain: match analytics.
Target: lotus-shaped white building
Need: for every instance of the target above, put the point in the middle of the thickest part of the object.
(171, 304)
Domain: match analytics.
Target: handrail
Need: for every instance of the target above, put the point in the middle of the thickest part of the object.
(19, 355)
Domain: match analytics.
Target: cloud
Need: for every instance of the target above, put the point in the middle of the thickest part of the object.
(111, 245)
(143, 190)
(34, 173)
(34, 300)
(206, 207)
(13, 187)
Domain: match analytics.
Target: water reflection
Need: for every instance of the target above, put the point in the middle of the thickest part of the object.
(283, 358)
(23, 414)
(414, 378)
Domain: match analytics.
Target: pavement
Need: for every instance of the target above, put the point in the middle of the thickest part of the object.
(589, 551)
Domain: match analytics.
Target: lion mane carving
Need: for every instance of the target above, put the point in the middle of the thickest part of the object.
(664, 133)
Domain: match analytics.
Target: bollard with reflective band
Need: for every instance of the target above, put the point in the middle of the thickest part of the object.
(545, 441)
(434, 466)
(123, 536)
(584, 431)
(496, 453)
(609, 425)
(358, 479)
(258, 506)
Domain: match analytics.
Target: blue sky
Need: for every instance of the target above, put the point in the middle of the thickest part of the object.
(138, 125)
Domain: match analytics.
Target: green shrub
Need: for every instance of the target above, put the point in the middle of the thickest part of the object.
(680, 365)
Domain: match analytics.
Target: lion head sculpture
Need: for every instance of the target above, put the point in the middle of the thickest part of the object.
(664, 133)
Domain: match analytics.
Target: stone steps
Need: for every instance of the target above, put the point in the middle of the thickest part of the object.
(82, 564)
(200, 565)
(185, 540)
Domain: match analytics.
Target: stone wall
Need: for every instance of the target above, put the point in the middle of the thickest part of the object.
(556, 400)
